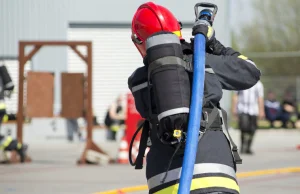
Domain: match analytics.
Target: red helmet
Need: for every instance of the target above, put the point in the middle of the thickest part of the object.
(149, 19)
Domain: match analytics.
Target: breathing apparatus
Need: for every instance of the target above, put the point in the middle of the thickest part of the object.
(208, 14)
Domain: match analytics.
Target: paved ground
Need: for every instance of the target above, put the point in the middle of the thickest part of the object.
(53, 170)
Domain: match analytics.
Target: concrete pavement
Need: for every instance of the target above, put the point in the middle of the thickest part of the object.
(54, 169)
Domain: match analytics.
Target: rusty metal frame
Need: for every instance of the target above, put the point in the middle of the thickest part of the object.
(23, 58)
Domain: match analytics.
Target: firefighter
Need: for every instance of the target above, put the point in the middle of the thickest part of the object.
(6, 89)
(162, 90)
(9, 144)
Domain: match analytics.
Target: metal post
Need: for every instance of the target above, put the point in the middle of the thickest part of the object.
(89, 93)
(20, 116)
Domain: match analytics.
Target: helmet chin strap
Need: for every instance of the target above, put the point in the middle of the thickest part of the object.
(138, 46)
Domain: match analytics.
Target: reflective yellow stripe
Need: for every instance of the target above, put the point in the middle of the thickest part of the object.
(178, 33)
(203, 183)
(210, 32)
(5, 119)
(201, 168)
(115, 128)
(243, 57)
(2, 106)
(6, 142)
(19, 146)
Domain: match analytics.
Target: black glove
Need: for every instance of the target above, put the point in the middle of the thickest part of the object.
(203, 27)
(215, 47)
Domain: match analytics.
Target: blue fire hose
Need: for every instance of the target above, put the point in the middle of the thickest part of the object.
(195, 116)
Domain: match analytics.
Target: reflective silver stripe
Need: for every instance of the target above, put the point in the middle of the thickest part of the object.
(9, 84)
(169, 60)
(209, 70)
(249, 61)
(223, 125)
(162, 39)
(198, 169)
(139, 87)
(173, 112)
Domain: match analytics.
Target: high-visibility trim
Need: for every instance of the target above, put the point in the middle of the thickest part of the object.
(243, 57)
(210, 32)
(202, 168)
(2, 105)
(9, 84)
(162, 39)
(209, 70)
(246, 59)
(6, 142)
(5, 118)
(249, 61)
(204, 183)
(19, 146)
(178, 33)
(173, 112)
(169, 60)
(139, 87)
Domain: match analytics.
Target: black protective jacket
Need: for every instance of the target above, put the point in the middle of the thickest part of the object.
(231, 71)
(214, 160)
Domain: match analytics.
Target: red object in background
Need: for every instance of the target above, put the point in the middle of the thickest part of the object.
(133, 118)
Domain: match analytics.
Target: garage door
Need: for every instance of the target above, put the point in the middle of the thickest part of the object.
(114, 59)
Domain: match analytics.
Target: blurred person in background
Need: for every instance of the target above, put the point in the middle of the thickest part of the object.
(289, 110)
(272, 108)
(248, 105)
(73, 128)
(7, 143)
(115, 117)
(6, 89)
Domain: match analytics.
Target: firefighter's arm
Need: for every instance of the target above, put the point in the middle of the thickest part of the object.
(261, 108)
(235, 72)
(261, 103)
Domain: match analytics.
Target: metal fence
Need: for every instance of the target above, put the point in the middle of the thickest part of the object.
(280, 85)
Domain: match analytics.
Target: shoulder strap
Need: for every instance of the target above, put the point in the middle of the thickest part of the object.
(145, 127)
(234, 149)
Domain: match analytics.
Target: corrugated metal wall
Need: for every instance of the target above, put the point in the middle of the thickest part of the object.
(35, 20)
(121, 11)
(50, 19)
(44, 19)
